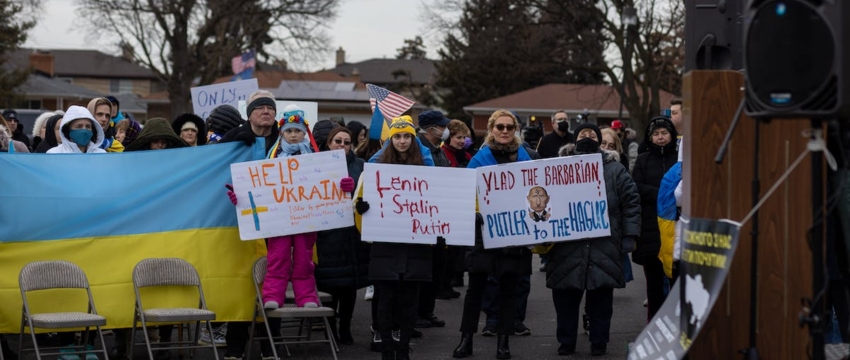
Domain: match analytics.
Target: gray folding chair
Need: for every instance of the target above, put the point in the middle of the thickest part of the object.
(169, 272)
(286, 312)
(46, 275)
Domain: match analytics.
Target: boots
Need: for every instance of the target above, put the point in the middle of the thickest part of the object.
(463, 349)
(402, 352)
(345, 337)
(388, 350)
(502, 349)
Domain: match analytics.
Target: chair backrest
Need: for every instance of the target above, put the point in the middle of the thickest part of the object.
(165, 271)
(259, 271)
(58, 274)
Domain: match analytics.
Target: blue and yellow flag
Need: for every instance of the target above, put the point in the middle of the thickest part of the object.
(106, 212)
(668, 214)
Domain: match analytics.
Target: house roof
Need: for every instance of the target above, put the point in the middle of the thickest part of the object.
(380, 71)
(320, 90)
(599, 99)
(87, 63)
(42, 86)
(271, 79)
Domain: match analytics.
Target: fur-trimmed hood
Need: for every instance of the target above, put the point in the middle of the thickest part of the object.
(608, 155)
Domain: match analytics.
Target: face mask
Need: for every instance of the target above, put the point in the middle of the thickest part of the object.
(587, 146)
(81, 137)
(444, 135)
(563, 126)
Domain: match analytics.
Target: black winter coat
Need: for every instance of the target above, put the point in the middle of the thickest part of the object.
(343, 258)
(650, 168)
(596, 263)
(245, 130)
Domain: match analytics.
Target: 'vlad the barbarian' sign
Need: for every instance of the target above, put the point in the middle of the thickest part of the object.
(415, 204)
(291, 195)
(542, 201)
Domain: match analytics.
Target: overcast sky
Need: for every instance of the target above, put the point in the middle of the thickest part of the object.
(364, 28)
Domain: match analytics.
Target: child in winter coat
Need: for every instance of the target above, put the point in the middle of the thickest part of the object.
(290, 257)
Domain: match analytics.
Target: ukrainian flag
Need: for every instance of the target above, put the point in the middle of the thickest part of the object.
(106, 212)
(668, 213)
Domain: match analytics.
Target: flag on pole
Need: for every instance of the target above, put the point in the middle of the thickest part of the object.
(392, 105)
(244, 61)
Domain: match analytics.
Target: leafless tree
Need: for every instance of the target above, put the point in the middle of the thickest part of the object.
(189, 42)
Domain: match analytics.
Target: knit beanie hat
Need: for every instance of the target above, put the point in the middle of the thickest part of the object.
(293, 118)
(590, 126)
(189, 125)
(402, 124)
(259, 102)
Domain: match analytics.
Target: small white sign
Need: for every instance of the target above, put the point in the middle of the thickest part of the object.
(416, 204)
(291, 195)
(533, 202)
(208, 97)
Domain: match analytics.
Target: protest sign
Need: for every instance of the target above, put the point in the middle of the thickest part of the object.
(311, 109)
(708, 247)
(206, 98)
(291, 195)
(533, 202)
(415, 204)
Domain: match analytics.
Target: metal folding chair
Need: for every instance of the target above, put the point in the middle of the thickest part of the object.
(286, 312)
(46, 275)
(169, 272)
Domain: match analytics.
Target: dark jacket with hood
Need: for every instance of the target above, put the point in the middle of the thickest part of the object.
(511, 260)
(156, 129)
(177, 126)
(49, 140)
(245, 132)
(596, 263)
(650, 168)
(321, 131)
(343, 260)
(440, 158)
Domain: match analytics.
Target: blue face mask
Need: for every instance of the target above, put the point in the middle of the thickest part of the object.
(81, 137)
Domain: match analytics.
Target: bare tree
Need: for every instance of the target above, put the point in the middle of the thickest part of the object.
(17, 21)
(187, 42)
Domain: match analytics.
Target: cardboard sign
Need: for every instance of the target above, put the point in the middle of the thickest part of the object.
(550, 200)
(415, 204)
(311, 109)
(291, 195)
(206, 98)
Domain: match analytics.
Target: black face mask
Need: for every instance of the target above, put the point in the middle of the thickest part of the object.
(563, 126)
(587, 146)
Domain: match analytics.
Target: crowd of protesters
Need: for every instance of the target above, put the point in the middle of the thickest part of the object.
(408, 278)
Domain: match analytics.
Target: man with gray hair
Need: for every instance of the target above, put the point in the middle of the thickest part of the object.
(262, 112)
(550, 144)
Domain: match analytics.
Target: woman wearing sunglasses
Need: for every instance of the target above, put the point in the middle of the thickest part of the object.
(501, 146)
(343, 260)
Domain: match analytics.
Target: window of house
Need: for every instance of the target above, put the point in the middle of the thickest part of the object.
(120, 86)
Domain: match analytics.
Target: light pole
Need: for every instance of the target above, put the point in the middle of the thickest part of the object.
(629, 19)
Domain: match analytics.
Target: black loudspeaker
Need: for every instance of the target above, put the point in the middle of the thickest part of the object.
(795, 58)
(713, 34)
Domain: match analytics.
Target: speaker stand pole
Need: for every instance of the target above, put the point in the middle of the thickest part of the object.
(816, 243)
(752, 352)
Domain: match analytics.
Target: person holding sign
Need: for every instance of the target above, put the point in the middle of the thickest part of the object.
(398, 269)
(594, 266)
(500, 146)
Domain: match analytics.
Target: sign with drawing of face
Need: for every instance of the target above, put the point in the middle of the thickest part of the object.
(541, 201)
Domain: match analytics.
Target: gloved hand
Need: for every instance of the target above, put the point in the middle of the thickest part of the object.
(247, 138)
(479, 220)
(230, 193)
(629, 244)
(441, 241)
(361, 206)
(346, 184)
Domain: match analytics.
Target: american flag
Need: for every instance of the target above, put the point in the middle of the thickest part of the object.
(392, 105)
(243, 62)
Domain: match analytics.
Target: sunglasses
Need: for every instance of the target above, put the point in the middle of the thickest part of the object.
(341, 142)
(503, 127)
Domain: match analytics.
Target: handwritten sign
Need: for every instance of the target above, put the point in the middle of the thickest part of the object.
(550, 200)
(206, 98)
(291, 195)
(415, 204)
(311, 109)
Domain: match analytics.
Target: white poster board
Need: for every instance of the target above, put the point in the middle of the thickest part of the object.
(549, 200)
(415, 204)
(208, 97)
(291, 195)
(311, 109)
